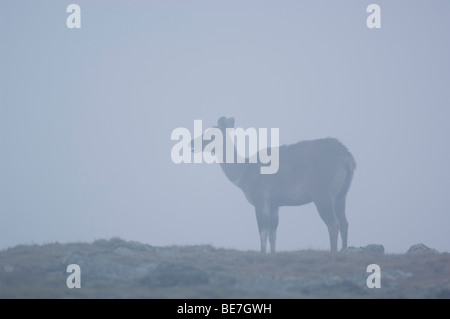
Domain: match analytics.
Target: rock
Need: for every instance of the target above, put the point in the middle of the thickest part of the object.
(324, 285)
(8, 268)
(124, 251)
(395, 274)
(374, 248)
(420, 249)
(369, 249)
(99, 268)
(137, 246)
(170, 274)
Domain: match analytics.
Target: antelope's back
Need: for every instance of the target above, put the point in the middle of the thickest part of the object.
(324, 157)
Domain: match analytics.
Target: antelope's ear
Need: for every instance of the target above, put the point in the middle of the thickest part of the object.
(230, 122)
(222, 121)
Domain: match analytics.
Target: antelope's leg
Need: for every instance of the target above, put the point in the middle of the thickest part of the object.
(262, 217)
(343, 224)
(273, 224)
(325, 207)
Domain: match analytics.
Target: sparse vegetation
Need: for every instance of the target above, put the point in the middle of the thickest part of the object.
(125, 269)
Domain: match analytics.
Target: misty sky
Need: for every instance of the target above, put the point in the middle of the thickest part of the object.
(86, 117)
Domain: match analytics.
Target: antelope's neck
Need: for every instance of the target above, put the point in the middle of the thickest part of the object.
(234, 172)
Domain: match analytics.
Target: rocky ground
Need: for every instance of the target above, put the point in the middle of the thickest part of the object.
(125, 269)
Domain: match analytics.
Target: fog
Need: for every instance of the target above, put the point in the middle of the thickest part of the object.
(87, 114)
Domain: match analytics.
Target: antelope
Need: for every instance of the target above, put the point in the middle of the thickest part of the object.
(318, 171)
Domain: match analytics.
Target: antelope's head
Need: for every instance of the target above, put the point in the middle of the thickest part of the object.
(208, 135)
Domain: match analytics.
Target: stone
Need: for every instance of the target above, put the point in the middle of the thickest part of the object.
(420, 249)
(369, 249)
